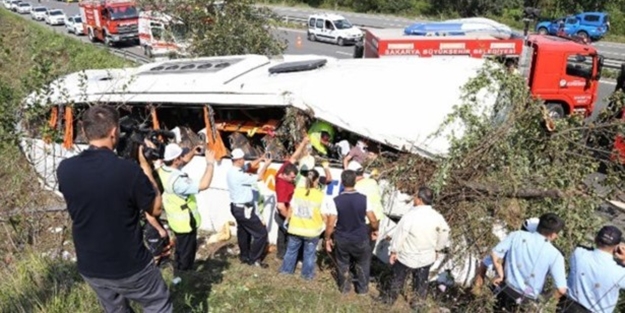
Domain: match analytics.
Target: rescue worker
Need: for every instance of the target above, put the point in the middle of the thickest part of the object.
(528, 258)
(595, 278)
(306, 223)
(347, 234)
(421, 234)
(486, 264)
(321, 135)
(251, 233)
(358, 153)
(179, 200)
(370, 188)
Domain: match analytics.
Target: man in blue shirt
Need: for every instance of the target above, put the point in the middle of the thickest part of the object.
(595, 279)
(528, 258)
(251, 233)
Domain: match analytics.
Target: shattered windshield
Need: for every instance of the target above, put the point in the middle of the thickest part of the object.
(178, 31)
(342, 24)
(121, 13)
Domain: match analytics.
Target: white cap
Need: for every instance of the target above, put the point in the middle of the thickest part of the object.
(531, 224)
(237, 154)
(354, 166)
(172, 151)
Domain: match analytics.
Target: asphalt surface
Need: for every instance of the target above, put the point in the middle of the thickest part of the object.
(295, 36)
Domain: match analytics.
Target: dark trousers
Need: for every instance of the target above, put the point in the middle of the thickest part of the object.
(281, 242)
(568, 305)
(357, 254)
(511, 301)
(146, 288)
(251, 235)
(186, 248)
(419, 282)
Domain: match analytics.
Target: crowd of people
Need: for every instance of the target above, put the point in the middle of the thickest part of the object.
(108, 197)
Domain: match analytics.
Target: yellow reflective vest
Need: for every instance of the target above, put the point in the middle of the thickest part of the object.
(306, 219)
(370, 188)
(179, 209)
(314, 134)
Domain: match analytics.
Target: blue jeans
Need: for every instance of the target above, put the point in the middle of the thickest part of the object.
(292, 251)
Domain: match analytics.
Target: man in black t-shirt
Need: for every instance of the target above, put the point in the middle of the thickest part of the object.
(105, 197)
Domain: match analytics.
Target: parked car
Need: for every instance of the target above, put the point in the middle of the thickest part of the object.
(38, 13)
(74, 25)
(7, 4)
(55, 17)
(588, 25)
(23, 8)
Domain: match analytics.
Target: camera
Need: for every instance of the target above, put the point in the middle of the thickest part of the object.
(133, 135)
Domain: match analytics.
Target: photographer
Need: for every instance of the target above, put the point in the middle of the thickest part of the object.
(179, 200)
(105, 197)
(595, 278)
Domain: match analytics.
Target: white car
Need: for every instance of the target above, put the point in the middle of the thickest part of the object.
(23, 8)
(332, 28)
(7, 4)
(74, 25)
(38, 13)
(13, 5)
(55, 17)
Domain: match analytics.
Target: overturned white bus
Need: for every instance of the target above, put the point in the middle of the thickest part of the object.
(397, 103)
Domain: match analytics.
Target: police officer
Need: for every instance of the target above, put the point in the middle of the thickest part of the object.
(528, 258)
(595, 278)
(179, 200)
(251, 233)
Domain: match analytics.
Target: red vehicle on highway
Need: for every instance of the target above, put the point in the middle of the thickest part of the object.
(110, 21)
(564, 72)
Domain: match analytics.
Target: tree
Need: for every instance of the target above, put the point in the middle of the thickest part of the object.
(217, 28)
(513, 163)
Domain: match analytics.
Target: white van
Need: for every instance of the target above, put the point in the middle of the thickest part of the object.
(332, 28)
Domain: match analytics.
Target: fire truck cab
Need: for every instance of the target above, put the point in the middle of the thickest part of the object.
(110, 21)
(562, 71)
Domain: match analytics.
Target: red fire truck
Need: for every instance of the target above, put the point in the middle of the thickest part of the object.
(380, 43)
(110, 21)
(564, 72)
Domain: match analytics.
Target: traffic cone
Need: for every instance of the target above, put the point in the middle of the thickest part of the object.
(298, 43)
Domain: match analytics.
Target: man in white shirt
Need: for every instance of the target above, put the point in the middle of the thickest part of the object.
(421, 233)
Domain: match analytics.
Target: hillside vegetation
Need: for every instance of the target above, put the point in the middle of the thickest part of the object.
(508, 11)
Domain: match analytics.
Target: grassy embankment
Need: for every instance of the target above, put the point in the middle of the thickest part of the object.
(34, 283)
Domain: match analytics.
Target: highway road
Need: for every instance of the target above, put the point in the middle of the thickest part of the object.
(610, 50)
(306, 47)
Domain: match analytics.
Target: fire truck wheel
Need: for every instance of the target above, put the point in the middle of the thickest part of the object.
(312, 37)
(90, 35)
(542, 31)
(555, 110)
